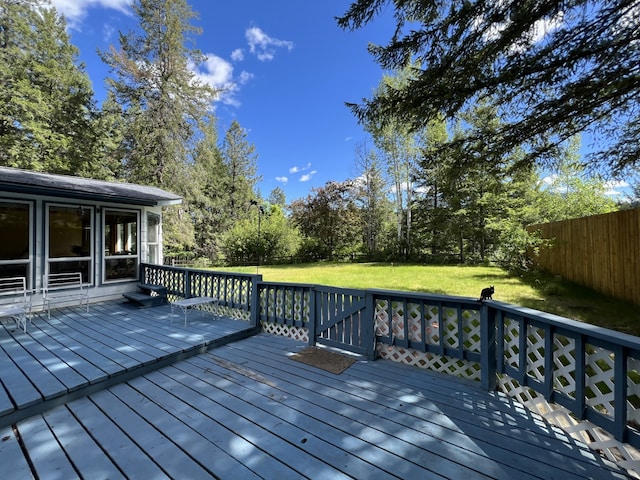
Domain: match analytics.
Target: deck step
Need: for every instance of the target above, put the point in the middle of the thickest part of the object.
(144, 300)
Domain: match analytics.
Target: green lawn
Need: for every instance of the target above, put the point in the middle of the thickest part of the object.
(544, 293)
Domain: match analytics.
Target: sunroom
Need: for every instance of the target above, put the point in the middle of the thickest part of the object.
(63, 224)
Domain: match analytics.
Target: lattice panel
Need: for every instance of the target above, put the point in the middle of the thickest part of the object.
(431, 361)
(432, 328)
(535, 353)
(471, 338)
(564, 362)
(599, 379)
(268, 302)
(397, 316)
(449, 329)
(511, 344)
(633, 392)
(417, 313)
(595, 437)
(300, 334)
(286, 304)
(414, 317)
(301, 305)
(382, 318)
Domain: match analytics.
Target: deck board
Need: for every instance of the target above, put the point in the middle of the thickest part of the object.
(49, 461)
(121, 449)
(269, 432)
(14, 464)
(465, 413)
(86, 455)
(76, 350)
(48, 386)
(75, 356)
(160, 447)
(192, 441)
(453, 451)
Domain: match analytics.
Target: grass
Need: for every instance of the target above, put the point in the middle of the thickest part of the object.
(542, 292)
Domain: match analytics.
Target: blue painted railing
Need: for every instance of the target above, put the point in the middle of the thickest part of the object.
(592, 371)
(235, 291)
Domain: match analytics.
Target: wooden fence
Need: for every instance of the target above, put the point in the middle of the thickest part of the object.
(601, 252)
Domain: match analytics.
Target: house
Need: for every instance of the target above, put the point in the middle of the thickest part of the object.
(60, 224)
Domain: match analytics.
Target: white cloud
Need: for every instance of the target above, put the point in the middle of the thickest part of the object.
(237, 55)
(244, 77)
(282, 179)
(263, 46)
(539, 30)
(218, 73)
(215, 71)
(107, 32)
(297, 169)
(306, 177)
(75, 10)
(614, 186)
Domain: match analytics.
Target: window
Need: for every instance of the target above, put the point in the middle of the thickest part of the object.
(120, 245)
(15, 247)
(153, 236)
(70, 240)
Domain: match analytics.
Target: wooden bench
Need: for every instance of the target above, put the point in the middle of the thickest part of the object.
(64, 288)
(148, 296)
(186, 303)
(19, 307)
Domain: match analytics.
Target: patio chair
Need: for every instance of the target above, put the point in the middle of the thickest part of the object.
(15, 301)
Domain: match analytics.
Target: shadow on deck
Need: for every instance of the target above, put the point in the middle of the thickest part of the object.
(124, 393)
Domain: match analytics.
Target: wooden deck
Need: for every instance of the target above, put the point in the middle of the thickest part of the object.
(136, 405)
(76, 352)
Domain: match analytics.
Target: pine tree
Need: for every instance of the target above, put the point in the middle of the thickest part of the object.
(46, 101)
(165, 108)
(558, 68)
(240, 159)
(160, 97)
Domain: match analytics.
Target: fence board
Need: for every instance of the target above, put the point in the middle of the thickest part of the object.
(601, 252)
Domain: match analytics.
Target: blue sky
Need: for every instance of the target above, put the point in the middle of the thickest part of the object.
(288, 70)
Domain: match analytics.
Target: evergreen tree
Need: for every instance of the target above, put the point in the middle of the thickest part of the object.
(162, 101)
(208, 194)
(277, 197)
(431, 211)
(165, 108)
(240, 159)
(46, 100)
(558, 68)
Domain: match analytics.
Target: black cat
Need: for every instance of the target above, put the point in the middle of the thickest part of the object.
(486, 294)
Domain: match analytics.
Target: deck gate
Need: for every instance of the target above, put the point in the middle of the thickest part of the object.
(343, 320)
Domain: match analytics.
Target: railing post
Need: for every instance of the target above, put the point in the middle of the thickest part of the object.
(314, 314)
(368, 323)
(187, 283)
(254, 302)
(488, 347)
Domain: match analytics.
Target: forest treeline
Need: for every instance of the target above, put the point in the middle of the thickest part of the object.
(411, 199)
